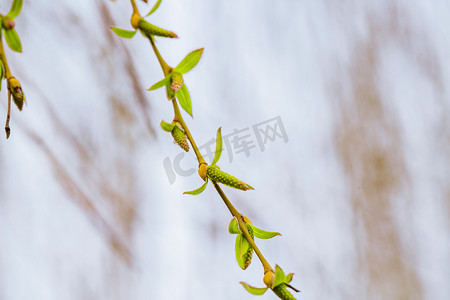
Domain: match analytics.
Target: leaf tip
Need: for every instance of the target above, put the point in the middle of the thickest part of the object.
(247, 187)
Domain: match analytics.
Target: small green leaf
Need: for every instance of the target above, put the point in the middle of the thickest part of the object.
(16, 7)
(254, 290)
(241, 247)
(218, 146)
(199, 190)
(160, 83)
(233, 228)
(262, 234)
(166, 126)
(127, 34)
(279, 276)
(155, 7)
(190, 61)
(288, 278)
(13, 41)
(237, 249)
(184, 99)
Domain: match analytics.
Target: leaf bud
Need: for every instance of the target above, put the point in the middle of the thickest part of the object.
(269, 278)
(16, 92)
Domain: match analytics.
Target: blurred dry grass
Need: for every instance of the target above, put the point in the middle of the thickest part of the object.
(105, 192)
(370, 148)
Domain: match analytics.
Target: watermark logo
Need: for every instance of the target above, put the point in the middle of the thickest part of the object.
(237, 142)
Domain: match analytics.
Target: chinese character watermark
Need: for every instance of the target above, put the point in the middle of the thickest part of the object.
(239, 141)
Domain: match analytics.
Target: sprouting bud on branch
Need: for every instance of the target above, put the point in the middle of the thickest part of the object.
(268, 279)
(16, 92)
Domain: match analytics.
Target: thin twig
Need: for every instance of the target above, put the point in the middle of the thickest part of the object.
(8, 115)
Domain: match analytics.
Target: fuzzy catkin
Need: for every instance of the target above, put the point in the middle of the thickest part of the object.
(177, 82)
(282, 292)
(180, 138)
(150, 29)
(247, 257)
(215, 174)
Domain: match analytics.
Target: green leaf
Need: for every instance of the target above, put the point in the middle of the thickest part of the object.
(166, 126)
(127, 34)
(218, 146)
(288, 278)
(155, 7)
(199, 190)
(254, 290)
(237, 249)
(13, 41)
(233, 228)
(190, 61)
(241, 247)
(16, 7)
(184, 99)
(160, 83)
(262, 234)
(279, 276)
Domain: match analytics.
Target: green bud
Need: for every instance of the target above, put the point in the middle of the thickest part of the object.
(202, 170)
(16, 92)
(215, 174)
(282, 292)
(269, 278)
(180, 138)
(149, 29)
(177, 82)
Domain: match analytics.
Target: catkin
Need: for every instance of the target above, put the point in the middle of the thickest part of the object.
(180, 138)
(177, 82)
(215, 174)
(282, 292)
(247, 257)
(150, 29)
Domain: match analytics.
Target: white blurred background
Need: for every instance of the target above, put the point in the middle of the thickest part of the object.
(360, 192)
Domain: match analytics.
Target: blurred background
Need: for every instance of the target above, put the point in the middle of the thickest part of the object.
(91, 203)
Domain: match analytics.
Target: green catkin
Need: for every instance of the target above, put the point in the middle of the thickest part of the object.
(282, 292)
(150, 29)
(180, 138)
(247, 257)
(215, 174)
